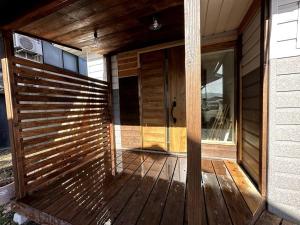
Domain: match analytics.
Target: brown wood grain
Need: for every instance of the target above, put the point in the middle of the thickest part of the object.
(153, 113)
(147, 189)
(63, 122)
(176, 93)
(193, 108)
(12, 115)
(251, 118)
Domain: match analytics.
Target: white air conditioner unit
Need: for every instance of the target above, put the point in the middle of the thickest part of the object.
(28, 44)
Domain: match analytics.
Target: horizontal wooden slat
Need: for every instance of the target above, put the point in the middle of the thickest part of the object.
(59, 128)
(53, 69)
(52, 137)
(47, 114)
(43, 75)
(62, 119)
(48, 91)
(43, 147)
(51, 84)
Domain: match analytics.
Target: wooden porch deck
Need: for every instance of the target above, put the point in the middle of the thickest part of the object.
(148, 189)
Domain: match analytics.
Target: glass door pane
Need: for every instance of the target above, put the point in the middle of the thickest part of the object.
(218, 96)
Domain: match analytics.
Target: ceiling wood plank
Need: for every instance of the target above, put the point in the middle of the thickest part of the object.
(213, 14)
(38, 12)
(204, 6)
(239, 11)
(122, 23)
(225, 15)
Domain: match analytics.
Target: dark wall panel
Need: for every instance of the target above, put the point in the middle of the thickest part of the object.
(129, 112)
(251, 122)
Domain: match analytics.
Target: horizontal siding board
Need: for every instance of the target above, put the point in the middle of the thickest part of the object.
(251, 66)
(285, 149)
(288, 31)
(290, 116)
(287, 165)
(287, 181)
(287, 99)
(289, 82)
(287, 133)
(284, 112)
(288, 13)
(251, 27)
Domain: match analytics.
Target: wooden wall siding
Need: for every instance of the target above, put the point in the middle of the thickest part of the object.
(63, 121)
(251, 98)
(153, 116)
(251, 46)
(131, 137)
(251, 123)
(127, 64)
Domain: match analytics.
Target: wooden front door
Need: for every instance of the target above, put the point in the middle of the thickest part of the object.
(176, 94)
(153, 108)
(163, 100)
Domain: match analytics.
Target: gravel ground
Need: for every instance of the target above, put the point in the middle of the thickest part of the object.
(6, 173)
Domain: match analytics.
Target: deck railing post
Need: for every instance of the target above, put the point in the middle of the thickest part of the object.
(11, 112)
(111, 130)
(193, 108)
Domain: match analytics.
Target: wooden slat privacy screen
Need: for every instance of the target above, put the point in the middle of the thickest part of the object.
(61, 121)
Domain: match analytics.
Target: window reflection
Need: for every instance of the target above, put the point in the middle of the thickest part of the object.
(218, 96)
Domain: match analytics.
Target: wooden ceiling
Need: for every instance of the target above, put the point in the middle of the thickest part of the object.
(124, 24)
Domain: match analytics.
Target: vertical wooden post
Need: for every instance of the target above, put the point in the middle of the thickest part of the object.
(112, 133)
(264, 70)
(193, 108)
(239, 55)
(11, 111)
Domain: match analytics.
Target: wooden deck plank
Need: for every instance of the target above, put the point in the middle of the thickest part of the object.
(150, 189)
(285, 222)
(267, 218)
(134, 207)
(75, 207)
(46, 197)
(217, 213)
(237, 207)
(110, 212)
(251, 195)
(174, 210)
(42, 199)
(153, 209)
(100, 201)
(67, 197)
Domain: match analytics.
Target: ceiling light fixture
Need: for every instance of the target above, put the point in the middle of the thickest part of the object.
(155, 25)
(96, 40)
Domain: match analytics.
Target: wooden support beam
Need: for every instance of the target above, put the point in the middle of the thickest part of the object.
(193, 108)
(11, 111)
(111, 128)
(264, 70)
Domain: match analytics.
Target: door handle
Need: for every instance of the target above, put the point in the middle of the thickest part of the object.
(172, 111)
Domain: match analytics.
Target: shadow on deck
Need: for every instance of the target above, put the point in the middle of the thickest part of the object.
(148, 189)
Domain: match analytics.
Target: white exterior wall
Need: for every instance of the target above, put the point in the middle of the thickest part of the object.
(284, 111)
(95, 65)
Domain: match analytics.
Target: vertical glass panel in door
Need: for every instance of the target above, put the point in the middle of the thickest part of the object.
(218, 96)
